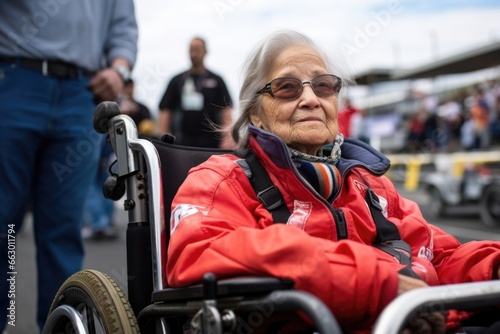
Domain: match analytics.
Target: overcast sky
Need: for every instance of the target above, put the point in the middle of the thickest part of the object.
(368, 33)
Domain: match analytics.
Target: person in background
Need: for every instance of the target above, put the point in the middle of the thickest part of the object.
(480, 117)
(349, 237)
(432, 134)
(416, 134)
(57, 60)
(99, 211)
(346, 116)
(451, 120)
(198, 101)
(139, 113)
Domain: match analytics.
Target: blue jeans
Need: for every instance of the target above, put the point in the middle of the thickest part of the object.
(99, 210)
(48, 158)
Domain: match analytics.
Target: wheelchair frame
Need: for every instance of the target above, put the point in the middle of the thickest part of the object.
(213, 306)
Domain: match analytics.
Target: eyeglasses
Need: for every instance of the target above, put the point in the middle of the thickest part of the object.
(291, 88)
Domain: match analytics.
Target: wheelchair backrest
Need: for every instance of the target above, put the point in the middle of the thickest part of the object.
(176, 161)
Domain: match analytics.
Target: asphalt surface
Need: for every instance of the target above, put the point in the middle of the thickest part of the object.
(106, 256)
(110, 256)
(462, 221)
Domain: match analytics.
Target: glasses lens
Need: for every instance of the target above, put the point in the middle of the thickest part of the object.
(286, 88)
(326, 85)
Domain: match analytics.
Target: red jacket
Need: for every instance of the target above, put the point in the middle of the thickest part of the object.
(219, 226)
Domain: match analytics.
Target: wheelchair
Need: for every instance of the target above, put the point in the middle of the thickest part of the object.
(147, 174)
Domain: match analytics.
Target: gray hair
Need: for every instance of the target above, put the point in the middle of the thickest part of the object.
(259, 64)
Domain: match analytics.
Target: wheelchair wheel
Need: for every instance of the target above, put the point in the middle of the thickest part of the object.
(100, 303)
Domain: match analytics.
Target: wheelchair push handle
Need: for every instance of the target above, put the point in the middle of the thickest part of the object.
(104, 112)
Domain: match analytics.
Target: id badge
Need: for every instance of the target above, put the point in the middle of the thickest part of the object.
(192, 101)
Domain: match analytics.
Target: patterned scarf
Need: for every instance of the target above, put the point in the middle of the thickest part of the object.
(320, 170)
(320, 157)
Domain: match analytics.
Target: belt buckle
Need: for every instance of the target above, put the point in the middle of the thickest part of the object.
(45, 68)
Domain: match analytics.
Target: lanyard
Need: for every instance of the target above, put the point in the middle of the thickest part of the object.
(198, 83)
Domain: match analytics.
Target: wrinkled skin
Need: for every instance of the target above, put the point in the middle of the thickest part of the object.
(308, 122)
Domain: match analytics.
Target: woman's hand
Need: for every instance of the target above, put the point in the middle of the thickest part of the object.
(427, 323)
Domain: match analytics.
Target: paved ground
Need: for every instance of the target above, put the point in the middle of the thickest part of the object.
(106, 256)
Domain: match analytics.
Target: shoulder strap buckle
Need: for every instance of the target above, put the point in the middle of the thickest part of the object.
(270, 197)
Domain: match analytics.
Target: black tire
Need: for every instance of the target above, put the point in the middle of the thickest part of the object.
(436, 207)
(99, 300)
(489, 206)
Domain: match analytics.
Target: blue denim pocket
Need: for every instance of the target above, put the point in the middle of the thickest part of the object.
(10, 79)
(4, 75)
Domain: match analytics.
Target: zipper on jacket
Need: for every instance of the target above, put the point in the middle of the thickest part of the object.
(340, 223)
(338, 214)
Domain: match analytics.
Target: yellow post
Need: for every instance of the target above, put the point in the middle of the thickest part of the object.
(458, 168)
(412, 175)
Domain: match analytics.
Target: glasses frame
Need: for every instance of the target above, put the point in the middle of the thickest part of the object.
(267, 87)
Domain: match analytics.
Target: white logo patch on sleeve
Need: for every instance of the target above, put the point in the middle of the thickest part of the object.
(182, 211)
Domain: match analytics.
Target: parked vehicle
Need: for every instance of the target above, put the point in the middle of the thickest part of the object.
(478, 187)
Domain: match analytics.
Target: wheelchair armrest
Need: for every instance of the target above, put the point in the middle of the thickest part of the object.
(258, 294)
(464, 296)
(229, 287)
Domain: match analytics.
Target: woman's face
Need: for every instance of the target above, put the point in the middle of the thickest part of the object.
(309, 121)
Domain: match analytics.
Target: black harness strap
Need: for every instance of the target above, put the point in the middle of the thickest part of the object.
(388, 237)
(267, 193)
(386, 230)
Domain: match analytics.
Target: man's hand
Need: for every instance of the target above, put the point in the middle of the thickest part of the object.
(428, 323)
(106, 85)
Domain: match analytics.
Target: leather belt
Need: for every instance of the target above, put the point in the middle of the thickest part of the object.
(53, 68)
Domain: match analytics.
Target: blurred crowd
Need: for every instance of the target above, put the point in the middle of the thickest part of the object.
(468, 120)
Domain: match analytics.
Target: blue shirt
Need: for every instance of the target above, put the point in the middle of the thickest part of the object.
(86, 33)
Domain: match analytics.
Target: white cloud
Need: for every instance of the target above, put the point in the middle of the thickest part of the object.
(232, 28)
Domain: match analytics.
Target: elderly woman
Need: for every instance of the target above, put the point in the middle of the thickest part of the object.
(349, 234)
